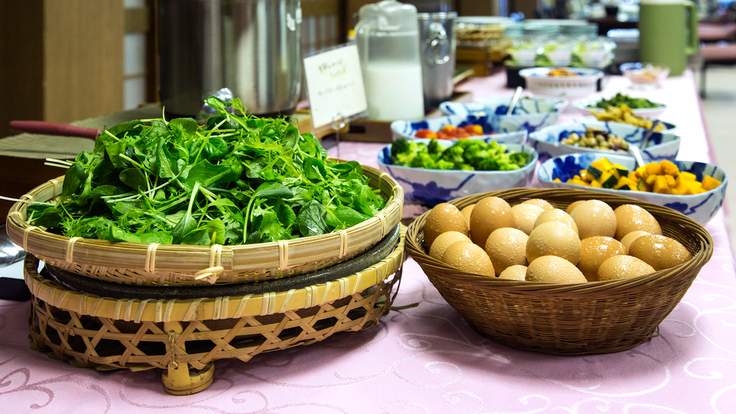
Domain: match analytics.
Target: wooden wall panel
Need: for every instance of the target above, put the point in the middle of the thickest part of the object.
(84, 59)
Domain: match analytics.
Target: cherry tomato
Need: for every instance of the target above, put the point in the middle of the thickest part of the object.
(425, 133)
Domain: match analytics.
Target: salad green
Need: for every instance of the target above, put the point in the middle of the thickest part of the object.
(235, 180)
(621, 99)
(463, 154)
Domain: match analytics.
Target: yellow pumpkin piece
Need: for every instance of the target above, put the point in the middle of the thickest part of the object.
(660, 185)
(670, 180)
(693, 187)
(557, 180)
(653, 168)
(710, 183)
(596, 184)
(651, 179)
(669, 168)
(642, 171)
(634, 176)
(686, 176)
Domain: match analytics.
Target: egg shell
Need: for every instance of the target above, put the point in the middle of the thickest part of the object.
(594, 218)
(525, 215)
(515, 272)
(596, 250)
(572, 206)
(553, 269)
(443, 217)
(443, 241)
(506, 247)
(544, 204)
(661, 252)
(469, 257)
(467, 211)
(555, 214)
(489, 214)
(623, 267)
(629, 238)
(553, 238)
(630, 217)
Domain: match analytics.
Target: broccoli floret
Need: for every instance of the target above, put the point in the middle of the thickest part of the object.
(403, 151)
(445, 165)
(423, 160)
(435, 148)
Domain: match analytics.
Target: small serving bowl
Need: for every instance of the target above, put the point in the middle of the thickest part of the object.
(699, 207)
(503, 131)
(644, 75)
(585, 106)
(662, 145)
(668, 127)
(532, 113)
(431, 187)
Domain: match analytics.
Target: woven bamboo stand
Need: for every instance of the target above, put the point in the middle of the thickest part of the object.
(185, 337)
(568, 319)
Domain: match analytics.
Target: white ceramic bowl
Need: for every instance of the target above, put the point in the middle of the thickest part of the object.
(431, 187)
(644, 73)
(662, 145)
(532, 113)
(699, 207)
(503, 131)
(584, 106)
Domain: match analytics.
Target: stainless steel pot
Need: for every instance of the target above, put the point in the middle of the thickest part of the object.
(252, 47)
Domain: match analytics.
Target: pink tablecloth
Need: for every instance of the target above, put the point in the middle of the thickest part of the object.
(426, 359)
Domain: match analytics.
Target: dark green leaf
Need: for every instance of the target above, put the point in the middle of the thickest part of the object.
(310, 220)
(133, 178)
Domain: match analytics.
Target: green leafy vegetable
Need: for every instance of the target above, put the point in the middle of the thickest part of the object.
(463, 154)
(235, 180)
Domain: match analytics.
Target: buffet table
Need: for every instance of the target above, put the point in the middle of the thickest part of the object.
(422, 357)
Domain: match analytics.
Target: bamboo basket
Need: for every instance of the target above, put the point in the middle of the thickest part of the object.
(185, 337)
(568, 319)
(153, 264)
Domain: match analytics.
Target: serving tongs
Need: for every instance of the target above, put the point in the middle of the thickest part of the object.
(636, 152)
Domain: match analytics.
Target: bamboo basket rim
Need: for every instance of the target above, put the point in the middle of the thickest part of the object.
(152, 258)
(415, 237)
(224, 307)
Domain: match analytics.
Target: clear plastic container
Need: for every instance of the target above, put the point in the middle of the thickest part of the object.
(387, 35)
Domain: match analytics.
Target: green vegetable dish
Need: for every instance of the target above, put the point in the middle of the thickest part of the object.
(463, 154)
(621, 99)
(235, 180)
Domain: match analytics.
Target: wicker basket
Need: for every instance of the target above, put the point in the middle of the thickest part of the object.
(103, 333)
(568, 319)
(153, 264)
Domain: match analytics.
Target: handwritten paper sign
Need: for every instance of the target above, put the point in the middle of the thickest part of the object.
(335, 85)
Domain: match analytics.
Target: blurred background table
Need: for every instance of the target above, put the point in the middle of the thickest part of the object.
(425, 358)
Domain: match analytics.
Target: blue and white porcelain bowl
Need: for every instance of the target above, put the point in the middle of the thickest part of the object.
(508, 132)
(585, 105)
(662, 145)
(431, 187)
(530, 113)
(668, 127)
(699, 207)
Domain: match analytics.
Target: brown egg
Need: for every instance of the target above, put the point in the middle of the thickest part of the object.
(594, 251)
(572, 206)
(467, 210)
(470, 258)
(553, 238)
(525, 215)
(555, 214)
(489, 214)
(443, 217)
(630, 217)
(661, 252)
(622, 267)
(506, 247)
(544, 204)
(553, 269)
(515, 272)
(443, 241)
(594, 218)
(629, 238)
